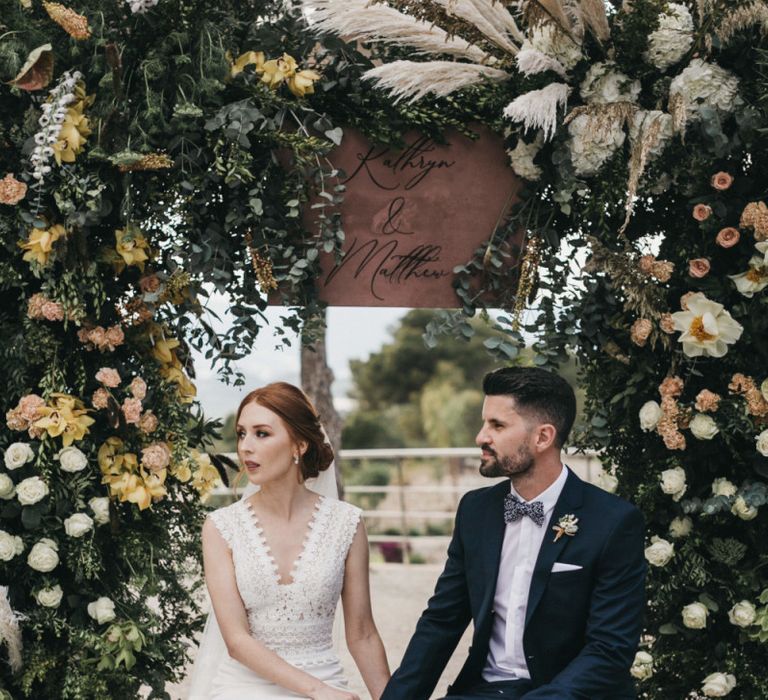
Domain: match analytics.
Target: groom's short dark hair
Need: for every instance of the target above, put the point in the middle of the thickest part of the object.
(537, 392)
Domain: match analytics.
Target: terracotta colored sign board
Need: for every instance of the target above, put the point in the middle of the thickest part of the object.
(411, 216)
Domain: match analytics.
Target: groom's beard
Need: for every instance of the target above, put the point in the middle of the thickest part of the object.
(519, 463)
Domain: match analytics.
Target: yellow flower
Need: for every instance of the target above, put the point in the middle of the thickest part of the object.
(74, 130)
(206, 475)
(132, 247)
(163, 351)
(187, 390)
(107, 452)
(303, 82)
(182, 471)
(278, 70)
(40, 243)
(247, 59)
(142, 491)
(66, 417)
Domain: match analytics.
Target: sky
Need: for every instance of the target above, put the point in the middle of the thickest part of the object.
(352, 332)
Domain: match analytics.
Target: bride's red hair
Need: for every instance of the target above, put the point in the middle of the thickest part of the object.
(301, 420)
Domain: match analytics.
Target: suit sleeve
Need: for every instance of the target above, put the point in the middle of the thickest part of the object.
(615, 620)
(438, 630)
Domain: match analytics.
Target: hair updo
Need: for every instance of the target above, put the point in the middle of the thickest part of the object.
(301, 420)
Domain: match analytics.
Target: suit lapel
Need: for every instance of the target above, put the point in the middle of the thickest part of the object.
(493, 539)
(569, 502)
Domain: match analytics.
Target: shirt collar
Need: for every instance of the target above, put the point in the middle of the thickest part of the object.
(549, 496)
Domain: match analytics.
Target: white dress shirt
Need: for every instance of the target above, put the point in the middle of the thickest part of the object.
(519, 551)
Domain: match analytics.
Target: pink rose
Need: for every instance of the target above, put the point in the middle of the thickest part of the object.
(138, 388)
(149, 284)
(97, 336)
(698, 268)
(148, 423)
(707, 401)
(156, 457)
(671, 387)
(132, 411)
(29, 405)
(722, 181)
(728, 237)
(113, 337)
(52, 311)
(662, 270)
(701, 212)
(641, 330)
(646, 264)
(100, 399)
(108, 377)
(35, 305)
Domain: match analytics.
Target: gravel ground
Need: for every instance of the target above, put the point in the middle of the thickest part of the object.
(399, 593)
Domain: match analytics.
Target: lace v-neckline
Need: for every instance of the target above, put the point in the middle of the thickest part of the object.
(267, 549)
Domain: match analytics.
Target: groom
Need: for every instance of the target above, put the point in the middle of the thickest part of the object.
(549, 568)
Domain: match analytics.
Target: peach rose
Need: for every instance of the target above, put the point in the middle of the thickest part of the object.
(113, 337)
(667, 323)
(138, 388)
(156, 457)
(149, 284)
(100, 398)
(53, 311)
(728, 237)
(35, 305)
(646, 264)
(684, 300)
(671, 386)
(698, 267)
(148, 423)
(132, 411)
(108, 377)
(11, 190)
(641, 329)
(707, 401)
(97, 336)
(722, 181)
(701, 212)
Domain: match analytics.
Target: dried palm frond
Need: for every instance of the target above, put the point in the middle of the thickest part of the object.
(362, 21)
(413, 80)
(542, 11)
(467, 10)
(537, 109)
(679, 111)
(10, 634)
(531, 61)
(498, 15)
(603, 117)
(735, 21)
(647, 140)
(592, 15)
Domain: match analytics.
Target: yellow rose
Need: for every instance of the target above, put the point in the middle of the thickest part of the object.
(40, 243)
(278, 70)
(303, 82)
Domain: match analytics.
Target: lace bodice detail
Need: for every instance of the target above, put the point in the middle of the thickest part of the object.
(293, 619)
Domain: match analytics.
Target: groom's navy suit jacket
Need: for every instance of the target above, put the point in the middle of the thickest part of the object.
(582, 626)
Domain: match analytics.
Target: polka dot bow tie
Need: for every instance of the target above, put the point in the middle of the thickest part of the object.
(514, 509)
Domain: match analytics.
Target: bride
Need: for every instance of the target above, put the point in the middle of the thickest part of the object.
(276, 563)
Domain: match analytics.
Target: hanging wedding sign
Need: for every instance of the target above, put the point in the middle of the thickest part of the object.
(411, 215)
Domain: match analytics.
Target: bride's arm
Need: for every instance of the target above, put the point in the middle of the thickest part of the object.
(362, 636)
(233, 622)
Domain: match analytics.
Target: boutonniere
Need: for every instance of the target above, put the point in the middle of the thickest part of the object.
(566, 526)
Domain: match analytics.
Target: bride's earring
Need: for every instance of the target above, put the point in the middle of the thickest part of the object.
(295, 459)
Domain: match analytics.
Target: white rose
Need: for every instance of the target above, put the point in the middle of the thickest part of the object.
(7, 487)
(723, 487)
(673, 482)
(72, 459)
(659, 552)
(642, 666)
(9, 545)
(704, 426)
(742, 614)
(742, 510)
(102, 610)
(78, 524)
(31, 490)
(649, 416)
(49, 597)
(762, 442)
(18, 454)
(43, 556)
(695, 616)
(607, 482)
(680, 527)
(718, 685)
(100, 507)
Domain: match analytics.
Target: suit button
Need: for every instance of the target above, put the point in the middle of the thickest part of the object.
(530, 657)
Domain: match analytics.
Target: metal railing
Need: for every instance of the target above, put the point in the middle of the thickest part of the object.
(587, 465)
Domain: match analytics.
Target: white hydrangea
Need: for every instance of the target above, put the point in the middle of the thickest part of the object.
(603, 85)
(642, 121)
(552, 42)
(591, 147)
(703, 83)
(671, 41)
(521, 158)
(141, 6)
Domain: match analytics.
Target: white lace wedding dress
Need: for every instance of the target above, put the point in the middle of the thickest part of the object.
(294, 619)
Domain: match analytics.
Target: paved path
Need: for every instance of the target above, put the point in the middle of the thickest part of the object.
(399, 592)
